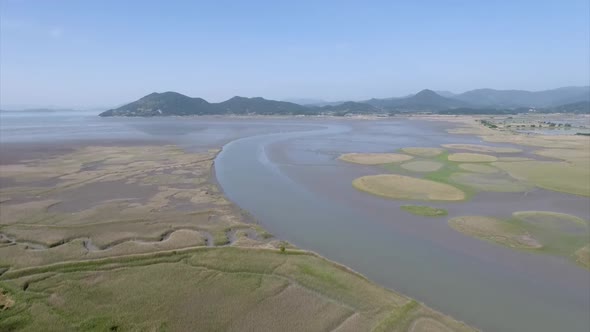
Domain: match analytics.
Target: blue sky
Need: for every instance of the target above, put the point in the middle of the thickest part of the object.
(104, 53)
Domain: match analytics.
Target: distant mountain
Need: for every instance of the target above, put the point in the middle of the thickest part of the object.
(258, 105)
(481, 101)
(306, 101)
(425, 100)
(350, 107)
(521, 98)
(581, 107)
(447, 94)
(167, 103)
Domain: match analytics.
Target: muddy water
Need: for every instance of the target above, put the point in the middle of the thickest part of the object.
(293, 184)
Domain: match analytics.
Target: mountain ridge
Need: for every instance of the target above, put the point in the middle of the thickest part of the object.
(567, 99)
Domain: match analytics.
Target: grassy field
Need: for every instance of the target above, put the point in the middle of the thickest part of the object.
(423, 210)
(208, 289)
(543, 231)
(374, 158)
(466, 157)
(405, 187)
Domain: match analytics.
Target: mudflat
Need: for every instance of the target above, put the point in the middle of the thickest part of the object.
(90, 233)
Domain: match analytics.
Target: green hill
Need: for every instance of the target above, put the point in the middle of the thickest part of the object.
(425, 100)
(258, 105)
(167, 103)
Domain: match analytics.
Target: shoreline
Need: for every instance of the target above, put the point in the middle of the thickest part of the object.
(27, 273)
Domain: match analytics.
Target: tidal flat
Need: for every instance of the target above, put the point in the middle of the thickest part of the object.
(90, 233)
(280, 177)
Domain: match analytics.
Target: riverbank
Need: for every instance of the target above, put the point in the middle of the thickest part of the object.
(91, 233)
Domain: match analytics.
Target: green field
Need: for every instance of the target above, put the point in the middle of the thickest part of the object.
(206, 289)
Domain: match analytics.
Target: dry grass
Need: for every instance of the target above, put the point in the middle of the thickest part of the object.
(481, 148)
(405, 187)
(374, 158)
(478, 168)
(495, 230)
(422, 166)
(471, 158)
(161, 193)
(6, 302)
(423, 152)
(556, 142)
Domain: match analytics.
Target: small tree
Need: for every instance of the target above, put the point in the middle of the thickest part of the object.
(282, 248)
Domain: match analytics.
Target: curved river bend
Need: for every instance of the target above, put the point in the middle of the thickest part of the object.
(293, 185)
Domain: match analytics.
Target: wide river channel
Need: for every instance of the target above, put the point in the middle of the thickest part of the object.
(293, 184)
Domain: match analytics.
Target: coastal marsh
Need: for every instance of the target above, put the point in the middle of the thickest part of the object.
(407, 188)
(230, 288)
(374, 158)
(466, 157)
(543, 231)
(86, 242)
(423, 151)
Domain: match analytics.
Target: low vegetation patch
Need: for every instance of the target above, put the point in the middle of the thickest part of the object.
(542, 231)
(481, 148)
(405, 187)
(423, 210)
(423, 166)
(555, 221)
(490, 182)
(494, 230)
(564, 177)
(479, 168)
(423, 152)
(471, 158)
(582, 256)
(374, 158)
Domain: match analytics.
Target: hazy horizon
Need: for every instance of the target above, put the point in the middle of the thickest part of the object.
(69, 54)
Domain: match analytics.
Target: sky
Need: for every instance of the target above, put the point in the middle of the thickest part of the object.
(94, 54)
